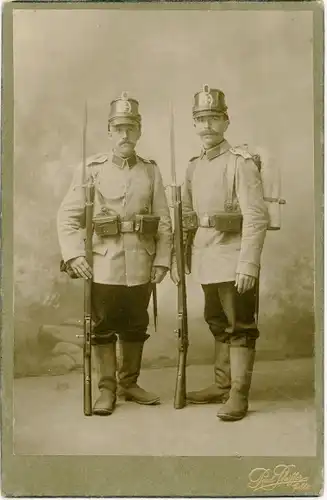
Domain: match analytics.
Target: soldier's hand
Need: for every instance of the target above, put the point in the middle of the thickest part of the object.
(243, 282)
(174, 273)
(81, 268)
(158, 273)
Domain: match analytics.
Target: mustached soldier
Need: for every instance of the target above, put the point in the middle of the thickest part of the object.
(131, 249)
(224, 189)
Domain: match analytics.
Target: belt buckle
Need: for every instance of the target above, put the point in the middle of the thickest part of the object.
(127, 226)
(206, 221)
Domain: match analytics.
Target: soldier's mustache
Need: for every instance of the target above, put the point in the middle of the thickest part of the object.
(207, 132)
(124, 141)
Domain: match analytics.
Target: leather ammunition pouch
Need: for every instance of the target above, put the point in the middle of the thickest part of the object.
(225, 222)
(228, 222)
(147, 224)
(106, 225)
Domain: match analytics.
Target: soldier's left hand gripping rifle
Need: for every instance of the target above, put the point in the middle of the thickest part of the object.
(182, 328)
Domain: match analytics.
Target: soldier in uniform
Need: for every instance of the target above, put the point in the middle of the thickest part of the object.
(223, 187)
(131, 251)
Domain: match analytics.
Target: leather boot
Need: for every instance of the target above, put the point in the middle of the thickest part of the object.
(131, 354)
(217, 392)
(242, 360)
(105, 356)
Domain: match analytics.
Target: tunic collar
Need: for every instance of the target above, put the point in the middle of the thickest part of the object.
(123, 162)
(218, 150)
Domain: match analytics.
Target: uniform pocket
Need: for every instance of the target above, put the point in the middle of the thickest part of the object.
(100, 249)
(148, 244)
(99, 246)
(204, 237)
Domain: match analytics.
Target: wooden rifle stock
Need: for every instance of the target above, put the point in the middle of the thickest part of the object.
(182, 328)
(87, 346)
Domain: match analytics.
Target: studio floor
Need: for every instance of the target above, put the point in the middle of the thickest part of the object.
(49, 420)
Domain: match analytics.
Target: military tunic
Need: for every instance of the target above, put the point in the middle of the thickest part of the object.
(126, 187)
(218, 256)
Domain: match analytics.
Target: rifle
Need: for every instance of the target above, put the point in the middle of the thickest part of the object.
(88, 184)
(257, 297)
(155, 306)
(182, 329)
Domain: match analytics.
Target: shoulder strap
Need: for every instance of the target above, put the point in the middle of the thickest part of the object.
(231, 204)
(192, 166)
(151, 174)
(241, 151)
(230, 183)
(92, 163)
(237, 151)
(150, 171)
(97, 159)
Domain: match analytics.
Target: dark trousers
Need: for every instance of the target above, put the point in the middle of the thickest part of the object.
(230, 315)
(120, 310)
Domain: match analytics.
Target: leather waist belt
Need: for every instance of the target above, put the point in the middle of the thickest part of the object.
(222, 221)
(229, 222)
(111, 225)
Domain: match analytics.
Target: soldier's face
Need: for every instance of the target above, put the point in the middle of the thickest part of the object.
(211, 129)
(124, 138)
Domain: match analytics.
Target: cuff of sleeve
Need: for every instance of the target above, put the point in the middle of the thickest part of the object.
(248, 268)
(162, 261)
(72, 255)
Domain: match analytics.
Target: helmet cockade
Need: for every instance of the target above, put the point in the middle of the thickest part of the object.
(206, 98)
(124, 105)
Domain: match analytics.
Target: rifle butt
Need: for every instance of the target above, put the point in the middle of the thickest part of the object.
(180, 390)
(87, 351)
(87, 396)
(257, 298)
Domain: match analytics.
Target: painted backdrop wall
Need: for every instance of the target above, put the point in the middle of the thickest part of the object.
(263, 62)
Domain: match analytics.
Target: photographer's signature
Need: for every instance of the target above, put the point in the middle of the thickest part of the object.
(261, 479)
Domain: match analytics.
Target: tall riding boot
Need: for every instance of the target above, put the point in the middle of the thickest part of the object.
(242, 360)
(131, 353)
(106, 363)
(217, 392)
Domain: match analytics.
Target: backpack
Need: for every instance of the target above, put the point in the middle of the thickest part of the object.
(270, 178)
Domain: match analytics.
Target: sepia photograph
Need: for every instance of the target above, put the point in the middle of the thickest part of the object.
(166, 241)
